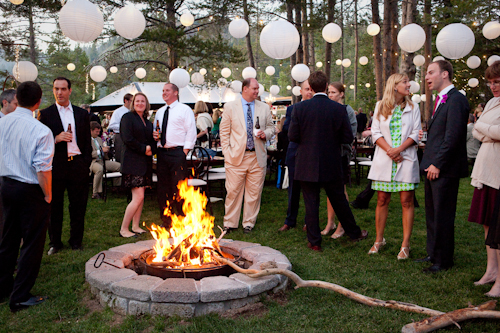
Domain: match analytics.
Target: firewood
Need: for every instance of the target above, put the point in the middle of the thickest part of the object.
(165, 264)
(176, 253)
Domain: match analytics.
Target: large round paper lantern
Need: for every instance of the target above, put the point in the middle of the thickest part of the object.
(203, 71)
(236, 86)
(363, 60)
(187, 19)
(491, 30)
(179, 77)
(98, 73)
(319, 64)
(332, 32)
(492, 59)
(300, 72)
(129, 22)
(113, 69)
(473, 82)
(338, 62)
(279, 39)
(455, 41)
(248, 73)
(81, 21)
(270, 70)
(71, 67)
(222, 82)
(416, 98)
(274, 90)
(423, 98)
(368, 85)
(474, 62)
(288, 87)
(238, 28)
(437, 58)
(25, 71)
(373, 29)
(140, 73)
(411, 37)
(225, 72)
(197, 79)
(346, 63)
(16, 2)
(462, 92)
(261, 89)
(296, 91)
(419, 60)
(351, 87)
(414, 87)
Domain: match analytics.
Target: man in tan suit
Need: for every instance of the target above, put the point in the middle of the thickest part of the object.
(245, 154)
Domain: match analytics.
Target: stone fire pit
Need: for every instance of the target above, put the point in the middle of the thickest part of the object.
(127, 292)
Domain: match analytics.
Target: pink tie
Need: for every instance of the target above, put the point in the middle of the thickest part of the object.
(436, 104)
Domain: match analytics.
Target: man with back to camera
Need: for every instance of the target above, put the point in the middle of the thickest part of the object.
(114, 125)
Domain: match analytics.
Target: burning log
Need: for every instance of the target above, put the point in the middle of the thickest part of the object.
(165, 264)
(177, 251)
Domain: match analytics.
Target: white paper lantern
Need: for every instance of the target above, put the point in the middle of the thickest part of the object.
(416, 98)
(279, 39)
(492, 59)
(225, 72)
(248, 73)
(473, 82)
(71, 67)
(187, 19)
(197, 79)
(438, 58)
(238, 28)
(203, 71)
(319, 64)
(423, 98)
(351, 86)
(300, 72)
(367, 85)
(261, 89)
(179, 77)
(491, 30)
(296, 91)
(332, 32)
(81, 21)
(411, 37)
(414, 87)
(274, 90)
(462, 92)
(113, 69)
(363, 60)
(338, 62)
(129, 22)
(346, 63)
(288, 87)
(140, 73)
(236, 86)
(222, 82)
(98, 73)
(419, 60)
(455, 41)
(373, 29)
(474, 62)
(16, 2)
(270, 70)
(25, 71)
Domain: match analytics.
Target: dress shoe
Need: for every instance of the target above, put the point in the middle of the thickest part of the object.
(304, 228)
(425, 259)
(96, 196)
(247, 230)
(435, 268)
(53, 250)
(139, 232)
(285, 228)
(77, 248)
(228, 230)
(34, 300)
(362, 236)
(132, 236)
(316, 248)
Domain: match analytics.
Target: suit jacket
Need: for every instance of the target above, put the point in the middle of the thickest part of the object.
(50, 117)
(319, 126)
(233, 131)
(446, 146)
(136, 137)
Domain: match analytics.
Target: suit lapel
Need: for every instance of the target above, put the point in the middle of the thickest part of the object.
(241, 111)
(441, 106)
(57, 120)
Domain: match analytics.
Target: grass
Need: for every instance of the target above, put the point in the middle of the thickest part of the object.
(305, 310)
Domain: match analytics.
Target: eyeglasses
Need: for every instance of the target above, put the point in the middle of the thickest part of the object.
(493, 84)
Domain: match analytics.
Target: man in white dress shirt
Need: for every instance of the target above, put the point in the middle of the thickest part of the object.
(114, 125)
(175, 137)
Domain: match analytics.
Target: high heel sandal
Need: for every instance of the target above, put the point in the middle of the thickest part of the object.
(327, 230)
(376, 246)
(336, 235)
(404, 253)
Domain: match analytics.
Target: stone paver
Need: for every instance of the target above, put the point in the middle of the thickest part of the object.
(119, 259)
(258, 285)
(136, 308)
(278, 258)
(104, 279)
(253, 252)
(120, 305)
(239, 303)
(134, 249)
(221, 288)
(106, 298)
(176, 291)
(206, 308)
(170, 309)
(147, 243)
(235, 247)
(137, 287)
(282, 266)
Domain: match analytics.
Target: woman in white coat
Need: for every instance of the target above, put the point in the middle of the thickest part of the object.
(395, 129)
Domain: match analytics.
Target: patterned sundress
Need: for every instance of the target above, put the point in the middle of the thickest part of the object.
(395, 126)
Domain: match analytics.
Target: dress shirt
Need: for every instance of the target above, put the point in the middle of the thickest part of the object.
(67, 117)
(442, 93)
(26, 146)
(2, 114)
(181, 126)
(245, 103)
(116, 117)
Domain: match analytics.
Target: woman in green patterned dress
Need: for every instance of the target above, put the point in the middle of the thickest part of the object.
(395, 129)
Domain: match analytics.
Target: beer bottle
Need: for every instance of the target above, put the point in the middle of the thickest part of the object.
(158, 128)
(70, 131)
(257, 127)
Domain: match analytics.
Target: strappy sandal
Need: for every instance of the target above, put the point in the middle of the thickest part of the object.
(376, 246)
(404, 253)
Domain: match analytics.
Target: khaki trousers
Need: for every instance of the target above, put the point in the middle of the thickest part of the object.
(244, 180)
(97, 169)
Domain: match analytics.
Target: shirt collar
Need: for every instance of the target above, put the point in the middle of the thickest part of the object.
(320, 94)
(446, 90)
(173, 104)
(24, 110)
(60, 106)
(244, 101)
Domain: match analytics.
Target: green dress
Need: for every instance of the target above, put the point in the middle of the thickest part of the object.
(395, 127)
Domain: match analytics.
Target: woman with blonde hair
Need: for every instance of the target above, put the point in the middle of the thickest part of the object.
(204, 122)
(395, 130)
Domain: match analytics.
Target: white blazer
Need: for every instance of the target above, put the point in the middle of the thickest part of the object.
(408, 170)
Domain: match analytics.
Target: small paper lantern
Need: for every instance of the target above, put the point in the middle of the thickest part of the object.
(197, 79)
(261, 89)
(351, 86)
(140, 73)
(25, 71)
(455, 41)
(296, 91)
(474, 62)
(16, 2)
(423, 98)
(332, 32)
(416, 98)
(113, 69)
(491, 30)
(236, 86)
(411, 38)
(98, 73)
(462, 92)
(319, 64)
(179, 77)
(81, 21)
(300, 72)
(270, 70)
(363, 60)
(419, 60)
(203, 71)
(238, 28)
(225, 72)
(187, 19)
(414, 87)
(279, 39)
(367, 85)
(492, 59)
(222, 82)
(473, 82)
(288, 87)
(338, 62)
(438, 58)
(71, 67)
(346, 63)
(373, 29)
(129, 22)
(274, 90)
(248, 73)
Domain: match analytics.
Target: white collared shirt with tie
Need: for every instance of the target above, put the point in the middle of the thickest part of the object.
(181, 126)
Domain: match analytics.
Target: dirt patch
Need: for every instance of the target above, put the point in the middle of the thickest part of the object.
(251, 310)
(280, 297)
(92, 303)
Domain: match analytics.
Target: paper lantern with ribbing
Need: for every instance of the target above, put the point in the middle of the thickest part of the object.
(238, 28)
(414, 87)
(419, 60)
(416, 98)
(437, 58)
(179, 77)
(363, 60)
(346, 63)
(411, 37)
(473, 82)
(98, 73)
(423, 98)
(113, 69)
(203, 71)
(248, 73)
(225, 72)
(261, 89)
(71, 67)
(288, 87)
(300, 72)
(474, 62)
(455, 41)
(373, 29)
(81, 21)
(197, 79)
(279, 39)
(338, 62)
(222, 82)
(236, 86)
(140, 73)
(129, 22)
(25, 71)
(462, 92)
(319, 64)
(368, 85)
(491, 30)
(274, 90)
(270, 70)
(187, 19)
(16, 2)
(296, 91)
(492, 59)
(331, 32)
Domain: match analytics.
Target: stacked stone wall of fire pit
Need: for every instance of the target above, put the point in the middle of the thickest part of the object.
(127, 292)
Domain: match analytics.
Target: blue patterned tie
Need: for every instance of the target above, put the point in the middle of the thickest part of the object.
(250, 143)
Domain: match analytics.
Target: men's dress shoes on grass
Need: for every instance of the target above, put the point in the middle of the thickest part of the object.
(425, 259)
(228, 230)
(316, 248)
(435, 269)
(285, 228)
(247, 230)
(304, 228)
(34, 300)
(53, 250)
(362, 236)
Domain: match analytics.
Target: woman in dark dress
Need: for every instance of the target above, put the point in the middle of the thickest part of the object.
(137, 134)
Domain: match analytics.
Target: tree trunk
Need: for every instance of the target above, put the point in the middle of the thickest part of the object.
(387, 39)
(251, 60)
(377, 52)
(298, 25)
(328, 46)
(312, 53)
(428, 56)
(32, 34)
(173, 60)
(356, 48)
(293, 58)
(305, 34)
(342, 68)
(394, 37)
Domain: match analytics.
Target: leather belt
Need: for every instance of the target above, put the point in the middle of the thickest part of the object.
(253, 149)
(172, 148)
(74, 157)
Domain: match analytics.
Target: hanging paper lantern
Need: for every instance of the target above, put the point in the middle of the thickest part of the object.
(98, 73)
(187, 19)
(225, 72)
(319, 64)
(351, 86)
(474, 62)
(492, 59)
(16, 2)
(261, 89)
(274, 90)
(300, 72)
(423, 98)
(416, 98)
(491, 30)
(113, 69)
(332, 32)
(414, 87)
(473, 82)
(25, 71)
(71, 67)
(140, 73)
(197, 79)
(338, 62)
(129, 22)
(236, 86)
(296, 91)
(270, 70)
(238, 28)
(363, 60)
(203, 71)
(455, 41)
(248, 73)
(462, 92)
(411, 37)
(373, 29)
(438, 58)
(222, 82)
(179, 77)
(279, 39)
(346, 63)
(419, 60)
(81, 21)
(288, 87)
(367, 85)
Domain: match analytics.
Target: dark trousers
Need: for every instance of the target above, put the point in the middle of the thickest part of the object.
(26, 215)
(118, 147)
(293, 187)
(335, 192)
(440, 207)
(171, 167)
(75, 179)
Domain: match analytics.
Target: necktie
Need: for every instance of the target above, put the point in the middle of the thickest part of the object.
(164, 127)
(436, 104)
(250, 143)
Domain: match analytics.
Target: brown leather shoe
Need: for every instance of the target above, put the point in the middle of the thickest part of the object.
(316, 248)
(304, 228)
(285, 228)
(362, 236)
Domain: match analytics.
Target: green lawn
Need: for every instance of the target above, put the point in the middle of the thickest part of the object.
(71, 309)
